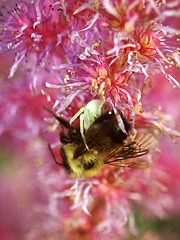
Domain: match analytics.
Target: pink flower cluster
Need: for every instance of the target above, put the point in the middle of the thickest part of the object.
(62, 54)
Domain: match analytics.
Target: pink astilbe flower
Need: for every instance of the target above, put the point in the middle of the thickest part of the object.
(96, 76)
(108, 69)
(111, 59)
(37, 32)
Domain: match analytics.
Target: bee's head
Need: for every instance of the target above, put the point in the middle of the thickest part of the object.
(85, 165)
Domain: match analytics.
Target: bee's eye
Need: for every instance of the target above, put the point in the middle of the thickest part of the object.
(88, 165)
(64, 139)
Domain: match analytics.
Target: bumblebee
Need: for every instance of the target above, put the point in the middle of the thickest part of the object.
(107, 144)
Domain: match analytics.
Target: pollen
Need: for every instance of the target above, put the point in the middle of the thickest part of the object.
(67, 77)
(95, 45)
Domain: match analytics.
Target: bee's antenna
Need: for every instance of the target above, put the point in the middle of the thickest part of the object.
(60, 119)
(50, 149)
(48, 110)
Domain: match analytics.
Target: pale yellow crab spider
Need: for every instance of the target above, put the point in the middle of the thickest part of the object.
(88, 114)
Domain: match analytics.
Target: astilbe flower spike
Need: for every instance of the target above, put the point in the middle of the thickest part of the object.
(36, 32)
(109, 59)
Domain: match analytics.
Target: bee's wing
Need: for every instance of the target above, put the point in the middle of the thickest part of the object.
(137, 163)
(133, 147)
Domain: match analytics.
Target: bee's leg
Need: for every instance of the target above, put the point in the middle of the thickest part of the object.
(50, 149)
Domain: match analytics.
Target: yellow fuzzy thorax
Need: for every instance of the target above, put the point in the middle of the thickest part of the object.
(88, 157)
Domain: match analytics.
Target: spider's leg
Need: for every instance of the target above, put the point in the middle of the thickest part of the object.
(82, 130)
(77, 115)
